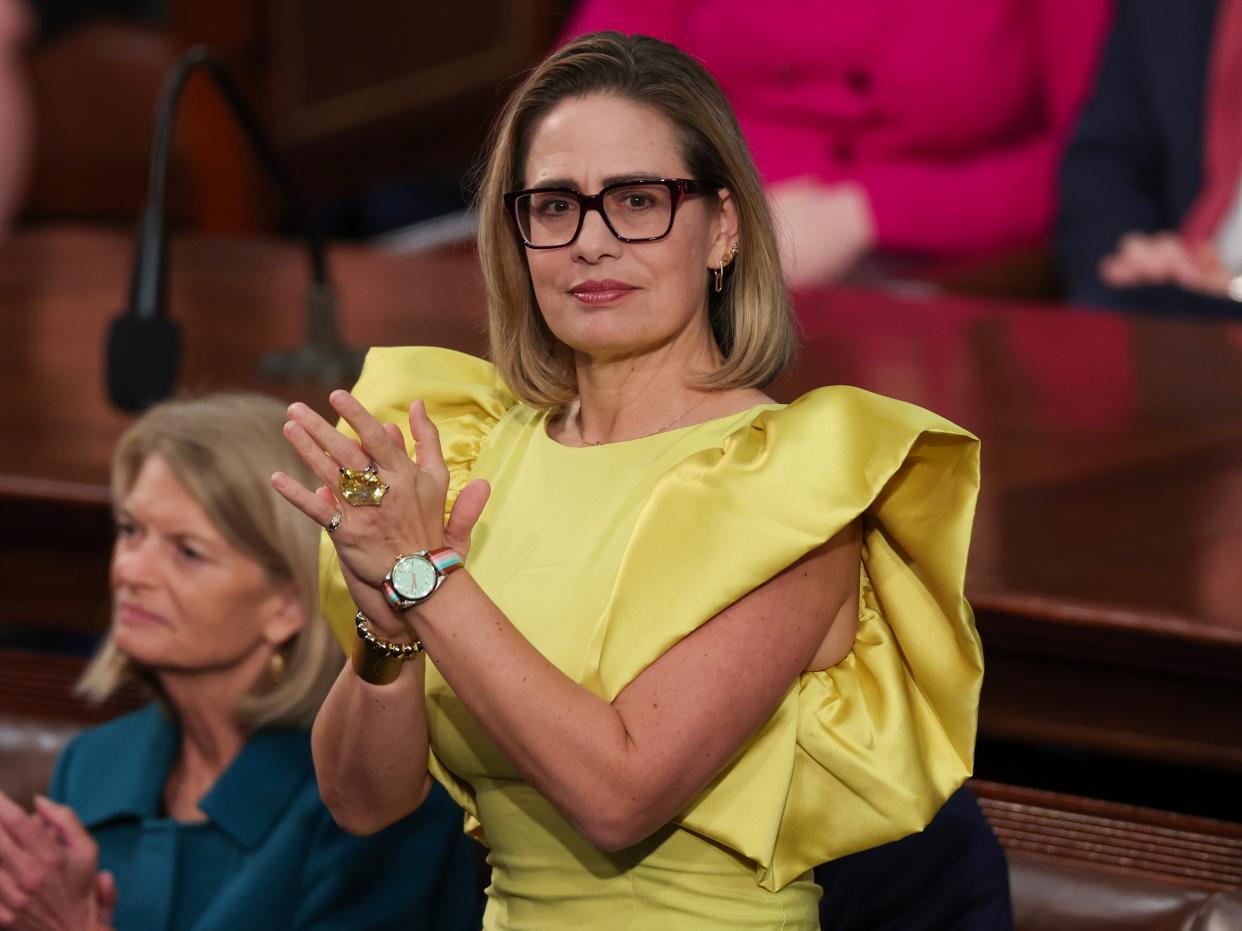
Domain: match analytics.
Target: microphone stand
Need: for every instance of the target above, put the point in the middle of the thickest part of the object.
(323, 358)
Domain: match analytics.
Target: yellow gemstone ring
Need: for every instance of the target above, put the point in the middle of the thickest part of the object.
(362, 487)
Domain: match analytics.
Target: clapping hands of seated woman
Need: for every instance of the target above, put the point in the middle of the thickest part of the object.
(1167, 258)
(411, 517)
(49, 876)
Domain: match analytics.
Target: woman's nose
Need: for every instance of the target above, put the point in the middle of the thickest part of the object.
(134, 562)
(595, 240)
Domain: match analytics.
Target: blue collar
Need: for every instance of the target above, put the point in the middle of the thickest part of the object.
(131, 766)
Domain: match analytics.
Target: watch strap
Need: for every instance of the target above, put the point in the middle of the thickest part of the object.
(394, 598)
(446, 560)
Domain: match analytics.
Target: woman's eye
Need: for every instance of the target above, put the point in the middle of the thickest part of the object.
(633, 200)
(555, 208)
(125, 529)
(189, 552)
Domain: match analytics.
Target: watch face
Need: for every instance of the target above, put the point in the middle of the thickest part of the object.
(414, 577)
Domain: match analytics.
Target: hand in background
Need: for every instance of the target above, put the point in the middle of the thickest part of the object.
(823, 229)
(49, 878)
(1165, 258)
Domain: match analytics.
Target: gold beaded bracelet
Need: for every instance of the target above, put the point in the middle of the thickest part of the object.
(377, 660)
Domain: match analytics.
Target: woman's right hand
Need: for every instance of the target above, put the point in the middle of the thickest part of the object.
(49, 879)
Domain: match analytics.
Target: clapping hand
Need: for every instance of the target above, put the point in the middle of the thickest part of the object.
(49, 877)
(410, 516)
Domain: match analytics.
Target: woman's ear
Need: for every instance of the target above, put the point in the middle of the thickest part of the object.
(281, 615)
(728, 227)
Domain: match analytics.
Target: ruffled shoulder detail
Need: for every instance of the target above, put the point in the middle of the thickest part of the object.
(866, 751)
(465, 398)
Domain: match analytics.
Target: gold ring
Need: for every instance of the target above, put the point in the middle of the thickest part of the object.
(362, 487)
(335, 524)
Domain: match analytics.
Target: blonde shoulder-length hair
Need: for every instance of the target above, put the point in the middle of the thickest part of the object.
(223, 450)
(751, 318)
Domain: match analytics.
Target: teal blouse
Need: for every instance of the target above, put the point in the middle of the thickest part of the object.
(269, 854)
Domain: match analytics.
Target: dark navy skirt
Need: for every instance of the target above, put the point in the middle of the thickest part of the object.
(952, 876)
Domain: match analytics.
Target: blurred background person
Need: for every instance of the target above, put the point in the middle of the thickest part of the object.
(28, 28)
(15, 117)
(1151, 188)
(905, 128)
(202, 807)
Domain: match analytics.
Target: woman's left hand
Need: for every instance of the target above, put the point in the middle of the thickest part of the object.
(49, 879)
(410, 516)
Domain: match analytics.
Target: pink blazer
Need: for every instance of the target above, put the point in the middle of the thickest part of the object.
(951, 115)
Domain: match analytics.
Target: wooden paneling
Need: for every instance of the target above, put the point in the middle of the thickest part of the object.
(40, 685)
(354, 94)
(93, 93)
(340, 69)
(1163, 847)
(363, 94)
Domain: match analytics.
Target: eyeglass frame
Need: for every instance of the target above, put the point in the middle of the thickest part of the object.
(678, 188)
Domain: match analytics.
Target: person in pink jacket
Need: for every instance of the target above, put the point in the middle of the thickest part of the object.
(898, 126)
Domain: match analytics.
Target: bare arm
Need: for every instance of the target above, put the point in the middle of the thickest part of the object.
(619, 771)
(369, 744)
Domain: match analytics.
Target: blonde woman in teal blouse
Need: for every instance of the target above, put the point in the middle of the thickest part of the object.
(201, 810)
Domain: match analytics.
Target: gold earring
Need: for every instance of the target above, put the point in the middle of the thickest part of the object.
(718, 273)
(276, 666)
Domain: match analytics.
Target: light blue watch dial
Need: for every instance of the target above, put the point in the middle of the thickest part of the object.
(414, 577)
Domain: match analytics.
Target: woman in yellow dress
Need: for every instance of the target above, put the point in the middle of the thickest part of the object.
(702, 641)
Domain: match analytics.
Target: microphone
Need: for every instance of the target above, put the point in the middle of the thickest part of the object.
(143, 353)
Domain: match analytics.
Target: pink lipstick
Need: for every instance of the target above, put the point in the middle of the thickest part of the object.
(597, 293)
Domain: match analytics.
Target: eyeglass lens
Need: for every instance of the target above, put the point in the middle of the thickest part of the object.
(551, 218)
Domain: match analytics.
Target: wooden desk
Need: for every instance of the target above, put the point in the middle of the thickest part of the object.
(1106, 570)
(1107, 567)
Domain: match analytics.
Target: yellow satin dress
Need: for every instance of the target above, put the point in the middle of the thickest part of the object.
(605, 556)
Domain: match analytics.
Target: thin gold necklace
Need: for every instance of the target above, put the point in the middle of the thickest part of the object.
(682, 416)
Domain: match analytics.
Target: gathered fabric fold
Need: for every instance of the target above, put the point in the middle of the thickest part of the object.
(864, 752)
